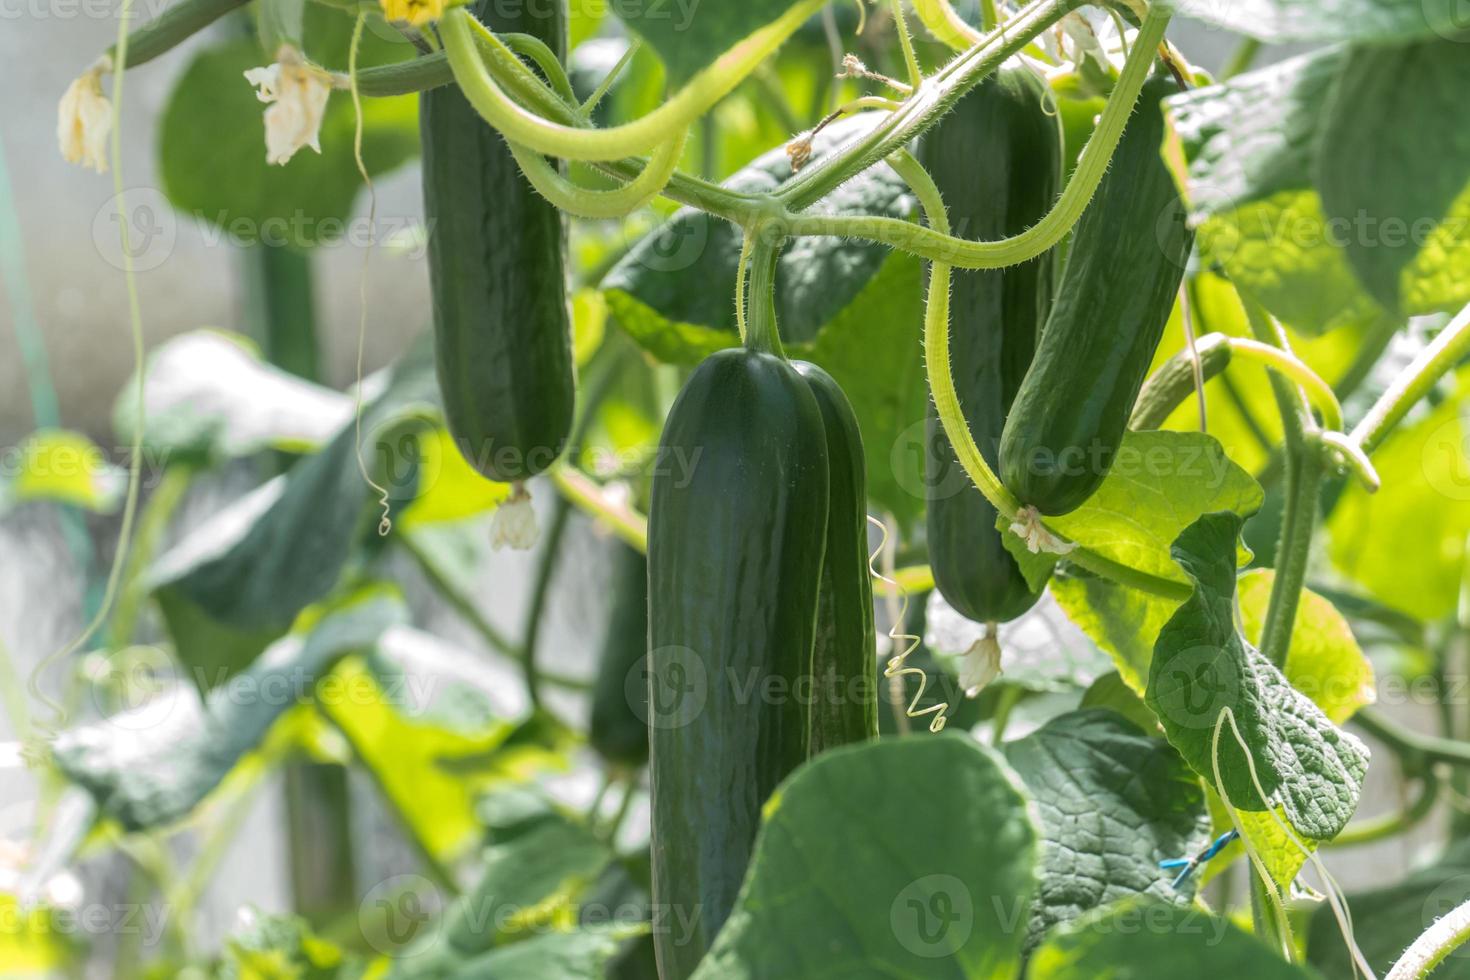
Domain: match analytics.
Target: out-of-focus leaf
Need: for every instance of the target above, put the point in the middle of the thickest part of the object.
(449, 488)
(151, 765)
(265, 947)
(1146, 939)
(903, 875)
(672, 292)
(1414, 559)
(208, 396)
(1288, 21)
(64, 467)
(33, 940)
(213, 161)
(1203, 666)
(240, 579)
(1041, 651)
(1113, 803)
(581, 954)
(1110, 691)
(1394, 168)
(689, 35)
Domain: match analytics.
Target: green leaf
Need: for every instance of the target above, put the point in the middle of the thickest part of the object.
(1110, 691)
(266, 946)
(209, 396)
(1042, 650)
(1394, 172)
(151, 765)
(1310, 21)
(919, 853)
(1203, 666)
(583, 954)
(1244, 154)
(64, 467)
(528, 883)
(1147, 939)
(689, 35)
(213, 163)
(33, 939)
(672, 291)
(1113, 803)
(1160, 483)
(1414, 559)
(240, 579)
(1387, 920)
(1124, 622)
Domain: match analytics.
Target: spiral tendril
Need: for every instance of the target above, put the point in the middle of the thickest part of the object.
(897, 665)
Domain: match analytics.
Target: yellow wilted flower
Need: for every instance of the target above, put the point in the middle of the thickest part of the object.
(84, 120)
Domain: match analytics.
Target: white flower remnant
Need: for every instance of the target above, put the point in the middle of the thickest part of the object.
(514, 523)
(84, 119)
(1028, 527)
(980, 665)
(296, 96)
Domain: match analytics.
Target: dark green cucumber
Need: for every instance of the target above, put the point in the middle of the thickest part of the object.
(997, 160)
(736, 532)
(845, 653)
(619, 729)
(1127, 258)
(502, 327)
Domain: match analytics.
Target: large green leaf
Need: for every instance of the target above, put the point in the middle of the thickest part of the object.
(1114, 803)
(1393, 169)
(1387, 920)
(239, 580)
(213, 162)
(1414, 559)
(1159, 484)
(1285, 21)
(673, 292)
(1203, 666)
(904, 858)
(1148, 940)
(149, 766)
(1244, 153)
(689, 35)
(1124, 622)
(208, 395)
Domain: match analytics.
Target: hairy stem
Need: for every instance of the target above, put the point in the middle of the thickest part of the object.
(1448, 349)
(1431, 949)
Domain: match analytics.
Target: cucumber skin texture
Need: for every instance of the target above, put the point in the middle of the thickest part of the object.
(734, 567)
(845, 652)
(502, 325)
(1123, 272)
(619, 730)
(1001, 130)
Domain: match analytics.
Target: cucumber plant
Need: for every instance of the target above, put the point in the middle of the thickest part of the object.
(983, 321)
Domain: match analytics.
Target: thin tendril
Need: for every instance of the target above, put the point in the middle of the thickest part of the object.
(135, 449)
(897, 665)
(385, 522)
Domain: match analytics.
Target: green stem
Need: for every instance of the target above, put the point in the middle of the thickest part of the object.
(162, 34)
(152, 523)
(1417, 380)
(1284, 363)
(585, 202)
(1417, 751)
(936, 96)
(540, 590)
(1372, 829)
(947, 26)
(947, 403)
(761, 330)
(457, 600)
(1176, 380)
(910, 60)
(280, 307)
(584, 493)
(1435, 945)
(638, 136)
(1242, 58)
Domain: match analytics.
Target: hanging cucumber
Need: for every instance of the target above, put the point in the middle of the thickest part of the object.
(845, 653)
(734, 568)
(997, 160)
(502, 327)
(1123, 271)
(619, 732)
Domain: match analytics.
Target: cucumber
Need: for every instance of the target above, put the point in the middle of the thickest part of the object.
(502, 325)
(844, 704)
(1127, 258)
(619, 730)
(734, 567)
(1003, 130)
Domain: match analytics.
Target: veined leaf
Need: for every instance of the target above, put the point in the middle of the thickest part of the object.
(672, 291)
(1291, 21)
(150, 766)
(1170, 941)
(904, 877)
(1114, 803)
(1202, 666)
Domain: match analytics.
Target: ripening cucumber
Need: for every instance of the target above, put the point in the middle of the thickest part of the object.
(619, 731)
(845, 652)
(997, 161)
(502, 324)
(1123, 271)
(736, 535)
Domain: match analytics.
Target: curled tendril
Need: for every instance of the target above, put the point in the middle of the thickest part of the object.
(897, 665)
